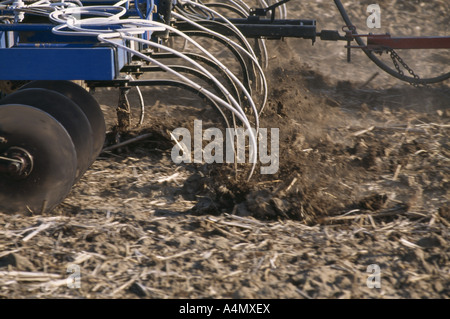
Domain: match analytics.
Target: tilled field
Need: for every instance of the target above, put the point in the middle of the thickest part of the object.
(363, 180)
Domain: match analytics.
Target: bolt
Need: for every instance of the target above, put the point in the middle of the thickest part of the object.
(14, 168)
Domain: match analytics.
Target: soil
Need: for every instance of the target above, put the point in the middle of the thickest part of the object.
(363, 180)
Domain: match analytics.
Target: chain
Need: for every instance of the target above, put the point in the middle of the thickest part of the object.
(397, 61)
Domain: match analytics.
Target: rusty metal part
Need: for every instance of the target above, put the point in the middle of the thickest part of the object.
(385, 41)
(123, 111)
(371, 54)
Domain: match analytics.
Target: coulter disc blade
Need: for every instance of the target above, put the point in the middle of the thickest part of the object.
(65, 112)
(53, 157)
(87, 103)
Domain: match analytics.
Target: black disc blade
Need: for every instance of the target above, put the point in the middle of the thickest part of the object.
(65, 112)
(53, 155)
(87, 103)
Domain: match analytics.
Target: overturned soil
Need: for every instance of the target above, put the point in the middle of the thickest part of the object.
(363, 180)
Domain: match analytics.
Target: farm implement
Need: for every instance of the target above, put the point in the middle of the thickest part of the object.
(52, 129)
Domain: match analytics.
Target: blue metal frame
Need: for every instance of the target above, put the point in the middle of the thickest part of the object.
(38, 54)
(57, 63)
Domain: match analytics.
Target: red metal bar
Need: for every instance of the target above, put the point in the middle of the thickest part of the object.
(383, 41)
